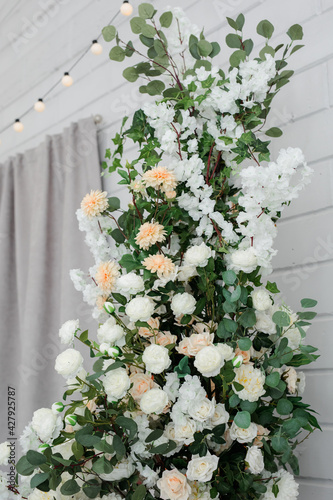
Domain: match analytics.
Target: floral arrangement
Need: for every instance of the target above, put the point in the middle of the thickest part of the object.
(194, 392)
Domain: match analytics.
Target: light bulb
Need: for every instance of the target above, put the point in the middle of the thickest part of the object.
(39, 106)
(18, 126)
(67, 80)
(126, 9)
(96, 48)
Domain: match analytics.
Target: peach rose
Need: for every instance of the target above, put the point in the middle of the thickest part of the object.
(164, 338)
(198, 341)
(183, 346)
(90, 404)
(290, 377)
(173, 486)
(262, 432)
(246, 355)
(154, 323)
(141, 384)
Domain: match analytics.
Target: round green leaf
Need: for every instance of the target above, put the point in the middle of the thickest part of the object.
(265, 29)
(274, 132)
(229, 277)
(137, 23)
(234, 401)
(281, 318)
(295, 32)
(130, 74)
(284, 407)
(148, 31)
(166, 19)
(155, 87)
(146, 10)
(243, 419)
(273, 379)
(308, 303)
(69, 488)
(245, 344)
(39, 479)
(233, 41)
(117, 54)
(109, 33)
(35, 458)
(204, 48)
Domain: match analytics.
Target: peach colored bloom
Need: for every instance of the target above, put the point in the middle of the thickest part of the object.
(205, 328)
(173, 485)
(94, 203)
(141, 384)
(90, 404)
(106, 275)
(198, 341)
(159, 264)
(160, 178)
(183, 346)
(101, 301)
(154, 324)
(164, 339)
(149, 234)
(170, 195)
(262, 432)
(246, 355)
(290, 377)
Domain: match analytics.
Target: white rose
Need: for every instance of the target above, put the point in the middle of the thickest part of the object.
(202, 468)
(198, 255)
(156, 358)
(226, 351)
(290, 377)
(130, 284)
(288, 488)
(69, 363)
(255, 460)
(265, 323)
(220, 415)
(116, 383)
(183, 303)
(140, 309)
(46, 424)
(173, 486)
(110, 332)
(4, 453)
(209, 361)
(252, 379)
(154, 401)
(184, 430)
(261, 300)
(294, 338)
(243, 435)
(186, 272)
(67, 331)
(201, 409)
(244, 260)
(121, 470)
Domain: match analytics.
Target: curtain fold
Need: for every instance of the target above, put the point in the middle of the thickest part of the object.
(40, 242)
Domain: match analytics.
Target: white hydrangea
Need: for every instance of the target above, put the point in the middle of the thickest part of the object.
(4, 453)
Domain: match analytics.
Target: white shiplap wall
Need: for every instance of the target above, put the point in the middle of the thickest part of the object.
(39, 39)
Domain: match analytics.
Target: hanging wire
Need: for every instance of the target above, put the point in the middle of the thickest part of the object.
(58, 82)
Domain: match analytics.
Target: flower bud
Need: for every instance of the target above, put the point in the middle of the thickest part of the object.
(71, 419)
(114, 352)
(237, 361)
(109, 307)
(58, 407)
(43, 447)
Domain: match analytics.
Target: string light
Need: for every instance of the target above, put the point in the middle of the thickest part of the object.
(39, 106)
(126, 9)
(96, 48)
(67, 80)
(18, 126)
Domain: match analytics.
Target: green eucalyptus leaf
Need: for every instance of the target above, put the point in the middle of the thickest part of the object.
(148, 31)
(137, 23)
(306, 303)
(243, 419)
(117, 54)
(274, 132)
(284, 406)
(204, 48)
(281, 318)
(233, 41)
(166, 19)
(146, 10)
(273, 379)
(155, 87)
(237, 57)
(109, 33)
(295, 32)
(245, 344)
(69, 488)
(265, 29)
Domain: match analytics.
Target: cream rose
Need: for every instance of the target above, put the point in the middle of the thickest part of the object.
(67, 331)
(202, 468)
(164, 339)
(140, 309)
(173, 486)
(290, 377)
(110, 332)
(154, 401)
(183, 303)
(116, 383)
(156, 358)
(243, 435)
(244, 260)
(220, 415)
(130, 284)
(209, 361)
(201, 409)
(226, 351)
(68, 363)
(261, 299)
(255, 460)
(265, 323)
(198, 255)
(46, 424)
(252, 379)
(185, 429)
(183, 346)
(141, 383)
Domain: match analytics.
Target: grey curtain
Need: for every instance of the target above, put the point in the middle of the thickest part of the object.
(40, 192)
